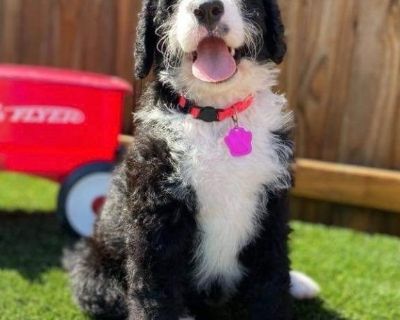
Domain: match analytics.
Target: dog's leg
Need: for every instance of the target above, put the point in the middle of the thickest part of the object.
(267, 284)
(97, 288)
(156, 268)
(274, 303)
(272, 300)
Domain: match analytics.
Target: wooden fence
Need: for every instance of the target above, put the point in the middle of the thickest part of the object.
(342, 78)
(341, 75)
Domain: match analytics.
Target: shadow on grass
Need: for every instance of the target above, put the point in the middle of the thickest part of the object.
(31, 243)
(303, 310)
(315, 310)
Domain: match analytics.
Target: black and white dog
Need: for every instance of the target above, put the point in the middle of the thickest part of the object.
(197, 215)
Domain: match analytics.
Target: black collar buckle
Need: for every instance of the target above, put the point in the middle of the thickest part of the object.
(208, 114)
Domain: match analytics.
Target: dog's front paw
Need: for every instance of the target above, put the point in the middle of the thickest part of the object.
(303, 287)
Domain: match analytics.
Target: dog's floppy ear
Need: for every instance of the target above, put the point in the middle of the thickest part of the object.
(145, 39)
(274, 38)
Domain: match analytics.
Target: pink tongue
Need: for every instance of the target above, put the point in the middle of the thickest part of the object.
(214, 62)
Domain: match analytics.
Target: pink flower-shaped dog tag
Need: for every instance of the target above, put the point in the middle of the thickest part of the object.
(239, 142)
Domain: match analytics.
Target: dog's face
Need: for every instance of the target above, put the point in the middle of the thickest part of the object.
(207, 49)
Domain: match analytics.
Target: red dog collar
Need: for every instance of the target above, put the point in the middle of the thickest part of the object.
(211, 114)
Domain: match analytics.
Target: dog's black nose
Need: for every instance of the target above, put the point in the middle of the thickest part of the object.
(209, 13)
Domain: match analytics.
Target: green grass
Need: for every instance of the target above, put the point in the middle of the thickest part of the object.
(359, 274)
(20, 192)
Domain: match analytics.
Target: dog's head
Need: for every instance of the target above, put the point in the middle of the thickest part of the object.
(209, 47)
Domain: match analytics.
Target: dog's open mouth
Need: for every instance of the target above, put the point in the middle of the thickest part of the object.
(214, 61)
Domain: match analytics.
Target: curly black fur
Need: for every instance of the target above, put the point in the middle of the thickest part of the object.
(275, 32)
(138, 264)
(145, 40)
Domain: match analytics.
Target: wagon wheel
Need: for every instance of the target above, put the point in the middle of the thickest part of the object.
(82, 195)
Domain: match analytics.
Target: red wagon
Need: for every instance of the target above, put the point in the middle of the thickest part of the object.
(63, 125)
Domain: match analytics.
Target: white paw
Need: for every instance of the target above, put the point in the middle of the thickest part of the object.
(303, 287)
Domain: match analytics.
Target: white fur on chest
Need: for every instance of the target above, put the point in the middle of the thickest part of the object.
(229, 190)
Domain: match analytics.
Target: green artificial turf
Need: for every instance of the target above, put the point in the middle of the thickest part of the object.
(359, 274)
(21, 192)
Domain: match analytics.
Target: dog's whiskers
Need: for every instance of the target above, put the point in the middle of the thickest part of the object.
(173, 55)
(253, 38)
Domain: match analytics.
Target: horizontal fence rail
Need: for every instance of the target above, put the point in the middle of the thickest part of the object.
(347, 184)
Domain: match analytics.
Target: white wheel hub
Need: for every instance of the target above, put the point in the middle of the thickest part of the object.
(80, 199)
